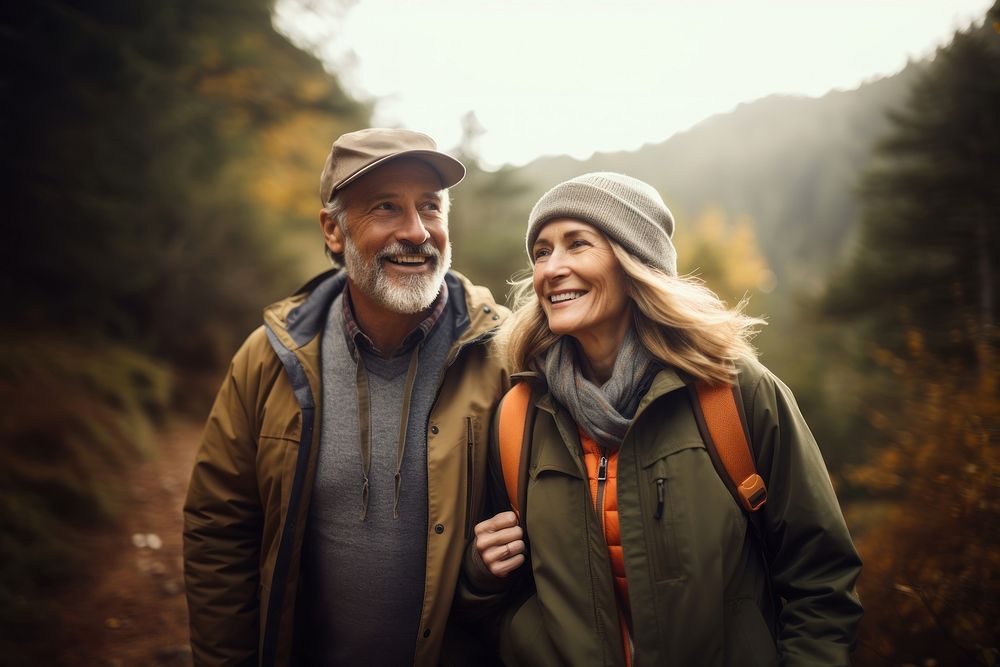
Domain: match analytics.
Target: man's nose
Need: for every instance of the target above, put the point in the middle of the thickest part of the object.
(412, 228)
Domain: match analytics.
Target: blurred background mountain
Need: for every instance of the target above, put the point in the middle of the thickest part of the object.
(160, 166)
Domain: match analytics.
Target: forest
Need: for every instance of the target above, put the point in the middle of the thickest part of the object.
(161, 162)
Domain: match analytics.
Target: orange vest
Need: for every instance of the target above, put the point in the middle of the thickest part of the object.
(602, 473)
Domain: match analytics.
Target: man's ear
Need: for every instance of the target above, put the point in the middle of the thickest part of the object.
(332, 233)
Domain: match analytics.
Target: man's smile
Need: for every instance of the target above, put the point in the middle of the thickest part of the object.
(408, 260)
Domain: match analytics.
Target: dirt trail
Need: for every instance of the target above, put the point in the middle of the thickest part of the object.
(132, 611)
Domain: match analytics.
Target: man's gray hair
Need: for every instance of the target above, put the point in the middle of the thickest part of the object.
(337, 209)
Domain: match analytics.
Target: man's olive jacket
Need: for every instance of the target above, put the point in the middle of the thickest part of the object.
(246, 507)
(701, 591)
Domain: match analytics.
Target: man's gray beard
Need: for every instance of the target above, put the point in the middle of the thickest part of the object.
(407, 294)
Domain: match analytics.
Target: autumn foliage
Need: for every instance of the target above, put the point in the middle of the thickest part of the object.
(149, 156)
(921, 294)
(930, 584)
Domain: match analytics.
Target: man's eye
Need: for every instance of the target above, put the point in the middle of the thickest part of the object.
(384, 206)
(432, 206)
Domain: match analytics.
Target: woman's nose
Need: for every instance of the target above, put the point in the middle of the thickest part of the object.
(554, 266)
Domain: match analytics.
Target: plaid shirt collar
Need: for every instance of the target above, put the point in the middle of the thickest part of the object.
(361, 339)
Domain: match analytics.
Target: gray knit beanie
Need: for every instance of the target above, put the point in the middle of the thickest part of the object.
(626, 209)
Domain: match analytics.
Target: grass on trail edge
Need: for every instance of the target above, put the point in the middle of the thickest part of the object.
(76, 414)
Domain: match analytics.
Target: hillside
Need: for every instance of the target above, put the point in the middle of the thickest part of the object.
(789, 163)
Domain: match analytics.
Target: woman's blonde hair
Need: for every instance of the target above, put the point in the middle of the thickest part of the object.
(679, 320)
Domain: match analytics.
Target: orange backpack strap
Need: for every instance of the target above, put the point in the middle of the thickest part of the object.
(725, 434)
(512, 429)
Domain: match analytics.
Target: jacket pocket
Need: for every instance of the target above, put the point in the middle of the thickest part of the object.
(664, 511)
(748, 640)
(524, 639)
(552, 457)
(281, 425)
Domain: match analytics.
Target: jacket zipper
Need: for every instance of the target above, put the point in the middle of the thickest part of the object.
(662, 535)
(659, 499)
(602, 477)
(469, 453)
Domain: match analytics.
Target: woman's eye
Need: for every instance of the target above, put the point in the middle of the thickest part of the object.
(541, 252)
(578, 243)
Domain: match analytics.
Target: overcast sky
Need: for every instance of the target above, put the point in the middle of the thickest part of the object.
(546, 77)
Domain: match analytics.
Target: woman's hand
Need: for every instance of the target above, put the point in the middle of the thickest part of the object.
(500, 543)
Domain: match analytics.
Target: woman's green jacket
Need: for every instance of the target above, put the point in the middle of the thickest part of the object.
(702, 592)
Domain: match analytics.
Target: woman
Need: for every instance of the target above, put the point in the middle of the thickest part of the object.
(656, 563)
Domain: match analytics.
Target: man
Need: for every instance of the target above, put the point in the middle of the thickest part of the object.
(341, 468)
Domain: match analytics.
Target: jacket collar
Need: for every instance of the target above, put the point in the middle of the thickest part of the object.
(666, 381)
(300, 318)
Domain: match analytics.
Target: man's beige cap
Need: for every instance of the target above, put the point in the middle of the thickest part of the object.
(356, 153)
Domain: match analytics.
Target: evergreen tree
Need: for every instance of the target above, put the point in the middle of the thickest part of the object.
(919, 298)
(929, 244)
(130, 136)
(153, 159)
(487, 231)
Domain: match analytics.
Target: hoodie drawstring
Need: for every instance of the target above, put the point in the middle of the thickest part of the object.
(364, 424)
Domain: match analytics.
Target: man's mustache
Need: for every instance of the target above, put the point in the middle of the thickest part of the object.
(407, 248)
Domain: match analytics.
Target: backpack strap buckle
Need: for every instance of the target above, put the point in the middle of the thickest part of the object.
(753, 493)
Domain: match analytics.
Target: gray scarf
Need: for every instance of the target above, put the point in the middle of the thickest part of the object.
(606, 412)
